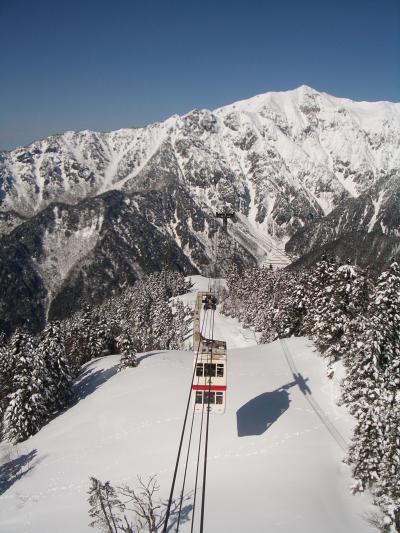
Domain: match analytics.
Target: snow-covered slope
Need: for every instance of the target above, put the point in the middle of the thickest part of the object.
(275, 456)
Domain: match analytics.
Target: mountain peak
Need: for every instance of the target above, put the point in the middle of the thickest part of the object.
(305, 89)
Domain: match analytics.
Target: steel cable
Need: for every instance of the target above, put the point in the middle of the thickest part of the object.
(168, 511)
(188, 448)
(207, 433)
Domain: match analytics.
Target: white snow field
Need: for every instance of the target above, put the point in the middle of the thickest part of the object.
(275, 456)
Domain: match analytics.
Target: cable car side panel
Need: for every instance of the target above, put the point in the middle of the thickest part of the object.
(210, 382)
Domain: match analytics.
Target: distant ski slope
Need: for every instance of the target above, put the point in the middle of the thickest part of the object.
(274, 464)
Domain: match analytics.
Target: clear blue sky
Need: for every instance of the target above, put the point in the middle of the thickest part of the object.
(106, 64)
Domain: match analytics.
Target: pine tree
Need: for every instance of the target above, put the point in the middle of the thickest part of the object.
(26, 410)
(128, 353)
(387, 490)
(371, 389)
(367, 443)
(7, 371)
(292, 306)
(103, 330)
(58, 382)
(319, 294)
(180, 326)
(92, 342)
(85, 339)
(345, 297)
(161, 322)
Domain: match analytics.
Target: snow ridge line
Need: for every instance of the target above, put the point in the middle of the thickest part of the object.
(340, 440)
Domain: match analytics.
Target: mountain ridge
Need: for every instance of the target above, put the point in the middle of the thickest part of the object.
(176, 115)
(122, 154)
(283, 162)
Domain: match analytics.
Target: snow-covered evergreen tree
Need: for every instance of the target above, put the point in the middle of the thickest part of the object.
(26, 410)
(387, 490)
(181, 323)
(88, 334)
(128, 353)
(7, 370)
(145, 313)
(345, 298)
(319, 296)
(371, 389)
(162, 324)
(290, 308)
(58, 380)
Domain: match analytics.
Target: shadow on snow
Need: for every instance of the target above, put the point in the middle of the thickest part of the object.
(90, 380)
(145, 355)
(14, 469)
(259, 413)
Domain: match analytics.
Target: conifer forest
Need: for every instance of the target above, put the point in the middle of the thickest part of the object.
(352, 315)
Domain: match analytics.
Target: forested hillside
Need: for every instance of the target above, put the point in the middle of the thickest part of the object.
(354, 317)
(37, 372)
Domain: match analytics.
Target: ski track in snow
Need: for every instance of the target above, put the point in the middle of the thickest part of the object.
(314, 405)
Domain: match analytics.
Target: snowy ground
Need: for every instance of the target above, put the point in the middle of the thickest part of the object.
(275, 456)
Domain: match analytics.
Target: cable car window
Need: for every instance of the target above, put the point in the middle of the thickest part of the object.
(212, 397)
(209, 369)
(199, 396)
(219, 399)
(199, 369)
(220, 371)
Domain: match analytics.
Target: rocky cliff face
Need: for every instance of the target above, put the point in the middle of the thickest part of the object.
(365, 229)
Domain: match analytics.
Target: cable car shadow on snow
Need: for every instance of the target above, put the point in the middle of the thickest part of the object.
(302, 384)
(259, 413)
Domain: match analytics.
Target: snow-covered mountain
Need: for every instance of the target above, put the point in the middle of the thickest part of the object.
(274, 458)
(365, 229)
(83, 213)
(276, 158)
(67, 256)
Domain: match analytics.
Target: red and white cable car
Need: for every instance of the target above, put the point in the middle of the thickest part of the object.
(209, 384)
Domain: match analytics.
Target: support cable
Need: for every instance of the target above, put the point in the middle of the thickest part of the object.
(184, 475)
(203, 499)
(197, 467)
(167, 515)
(168, 511)
(188, 448)
(199, 451)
